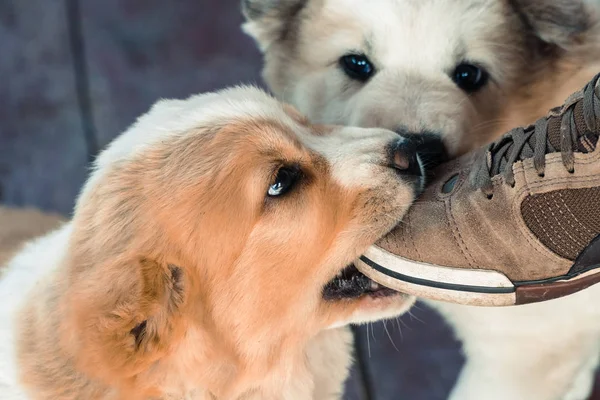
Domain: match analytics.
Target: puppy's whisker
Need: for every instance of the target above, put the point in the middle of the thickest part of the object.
(413, 316)
(368, 340)
(399, 328)
(389, 336)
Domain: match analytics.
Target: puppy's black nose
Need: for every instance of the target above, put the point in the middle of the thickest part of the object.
(430, 147)
(404, 157)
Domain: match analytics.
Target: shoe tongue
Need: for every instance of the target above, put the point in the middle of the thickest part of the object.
(586, 142)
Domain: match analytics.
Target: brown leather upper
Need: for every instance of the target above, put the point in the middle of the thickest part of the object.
(465, 229)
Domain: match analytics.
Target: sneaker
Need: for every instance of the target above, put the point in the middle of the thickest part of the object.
(514, 223)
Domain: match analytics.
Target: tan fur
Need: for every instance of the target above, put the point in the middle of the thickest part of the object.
(552, 87)
(181, 280)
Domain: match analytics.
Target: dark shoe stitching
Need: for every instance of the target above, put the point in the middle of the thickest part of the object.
(565, 179)
(412, 239)
(580, 158)
(457, 236)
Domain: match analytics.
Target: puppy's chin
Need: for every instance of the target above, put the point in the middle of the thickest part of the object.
(363, 300)
(371, 309)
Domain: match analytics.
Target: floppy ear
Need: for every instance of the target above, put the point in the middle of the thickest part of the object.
(134, 323)
(162, 294)
(559, 22)
(270, 20)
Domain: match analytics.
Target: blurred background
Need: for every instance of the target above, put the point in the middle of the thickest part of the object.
(76, 73)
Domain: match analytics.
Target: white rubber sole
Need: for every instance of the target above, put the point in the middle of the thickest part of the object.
(455, 285)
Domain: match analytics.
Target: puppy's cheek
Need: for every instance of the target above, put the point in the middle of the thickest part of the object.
(385, 205)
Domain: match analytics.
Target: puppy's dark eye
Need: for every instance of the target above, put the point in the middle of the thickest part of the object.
(357, 66)
(285, 180)
(469, 77)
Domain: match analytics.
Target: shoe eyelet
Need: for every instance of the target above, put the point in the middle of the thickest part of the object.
(449, 185)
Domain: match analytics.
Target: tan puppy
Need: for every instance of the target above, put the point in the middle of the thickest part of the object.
(207, 259)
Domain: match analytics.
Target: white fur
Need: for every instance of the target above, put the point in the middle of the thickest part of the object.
(363, 143)
(545, 351)
(541, 351)
(32, 265)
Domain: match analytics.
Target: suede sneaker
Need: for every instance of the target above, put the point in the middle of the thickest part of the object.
(516, 222)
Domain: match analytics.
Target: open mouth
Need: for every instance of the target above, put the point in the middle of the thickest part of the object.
(352, 284)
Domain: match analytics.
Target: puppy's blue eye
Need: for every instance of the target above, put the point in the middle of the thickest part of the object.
(469, 77)
(357, 66)
(284, 181)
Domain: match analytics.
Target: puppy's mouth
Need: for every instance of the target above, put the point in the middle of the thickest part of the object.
(350, 284)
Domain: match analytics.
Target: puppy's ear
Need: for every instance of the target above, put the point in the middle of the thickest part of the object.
(558, 22)
(131, 318)
(270, 20)
(161, 296)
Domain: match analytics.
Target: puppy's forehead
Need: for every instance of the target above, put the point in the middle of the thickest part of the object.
(411, 33)
(169, 120)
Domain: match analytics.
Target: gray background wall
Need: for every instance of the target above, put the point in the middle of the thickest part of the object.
(75, 73)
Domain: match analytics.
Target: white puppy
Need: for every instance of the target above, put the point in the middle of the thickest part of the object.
(456, 73)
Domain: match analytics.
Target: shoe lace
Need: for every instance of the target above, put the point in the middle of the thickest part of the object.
(532, 141)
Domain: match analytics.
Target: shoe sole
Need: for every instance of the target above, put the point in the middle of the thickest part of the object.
(468, 287)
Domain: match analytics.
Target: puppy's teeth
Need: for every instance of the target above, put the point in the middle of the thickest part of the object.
(375, 285)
